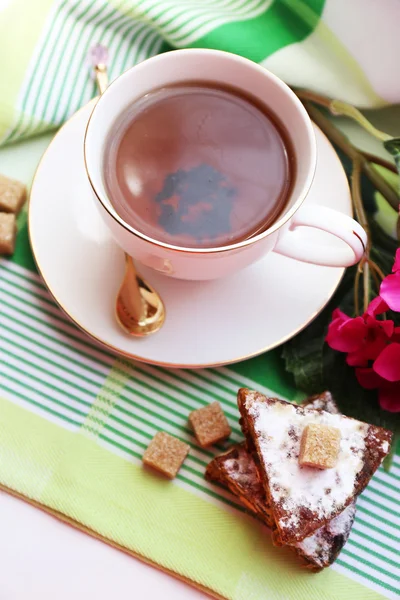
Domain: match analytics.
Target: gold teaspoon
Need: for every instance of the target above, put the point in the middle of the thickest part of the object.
(138, 308)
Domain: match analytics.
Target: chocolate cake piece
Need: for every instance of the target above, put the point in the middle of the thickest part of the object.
(304, 499)
(237, 471)
(322, 548)
(322, 401)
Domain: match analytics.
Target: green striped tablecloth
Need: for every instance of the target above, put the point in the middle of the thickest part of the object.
(74, 418)
(75, 422)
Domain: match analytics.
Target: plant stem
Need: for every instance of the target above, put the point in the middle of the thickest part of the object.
(366, 286)
(378, 270)
(362, 219)
(336, 136)
(375, 277)
(340, 140)
(377, 160)
(313, 97)
(357, 199)
(338, 107)
(356, 287)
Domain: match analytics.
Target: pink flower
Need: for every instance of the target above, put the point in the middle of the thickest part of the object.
(372, 345)
(346, 334)
(377, 338)
(388, 391)
(361, 338)
(390, 286)
(377, 306)
(390, 291)
(387, 365)
(396, 265)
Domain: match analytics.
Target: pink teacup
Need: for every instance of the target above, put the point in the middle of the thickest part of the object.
(284, 236)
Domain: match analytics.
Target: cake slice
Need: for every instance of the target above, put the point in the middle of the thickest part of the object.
(237, 471)
(322, 548)
(322, 401)
(304, 499)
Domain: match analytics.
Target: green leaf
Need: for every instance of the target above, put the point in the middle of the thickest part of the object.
(305, 364)
(303, 354)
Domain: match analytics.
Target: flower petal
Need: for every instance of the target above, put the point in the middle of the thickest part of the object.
(339, 314)
(388, 327)
(390, 291)
(379, 327)
(378, 336)
(348, 336)
(389, 397)
(377, 306)
(396, 266)
(357, 358)
(387, 365)
(368, 378)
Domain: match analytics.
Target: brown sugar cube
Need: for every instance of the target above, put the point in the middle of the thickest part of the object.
(165, 454)
(8, 230)
(12, 195)
(319, 446)
(209, 424)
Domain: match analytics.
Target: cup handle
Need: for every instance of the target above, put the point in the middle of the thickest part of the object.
(294, 243)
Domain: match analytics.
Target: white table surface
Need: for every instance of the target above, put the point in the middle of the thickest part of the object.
(42, 558)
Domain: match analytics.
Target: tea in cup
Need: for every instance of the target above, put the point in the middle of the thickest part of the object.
(200, 162)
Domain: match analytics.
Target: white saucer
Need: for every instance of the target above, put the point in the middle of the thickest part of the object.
(208, 323)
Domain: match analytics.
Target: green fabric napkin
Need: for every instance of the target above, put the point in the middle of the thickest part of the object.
(75, 419)
(330, 46)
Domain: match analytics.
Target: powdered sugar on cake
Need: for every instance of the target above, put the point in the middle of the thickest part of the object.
(322, 402)
(279, 427)
(319, 549)
(322, 547)
(242, 468)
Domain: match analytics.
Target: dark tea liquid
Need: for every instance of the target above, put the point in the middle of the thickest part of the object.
(198, 166)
